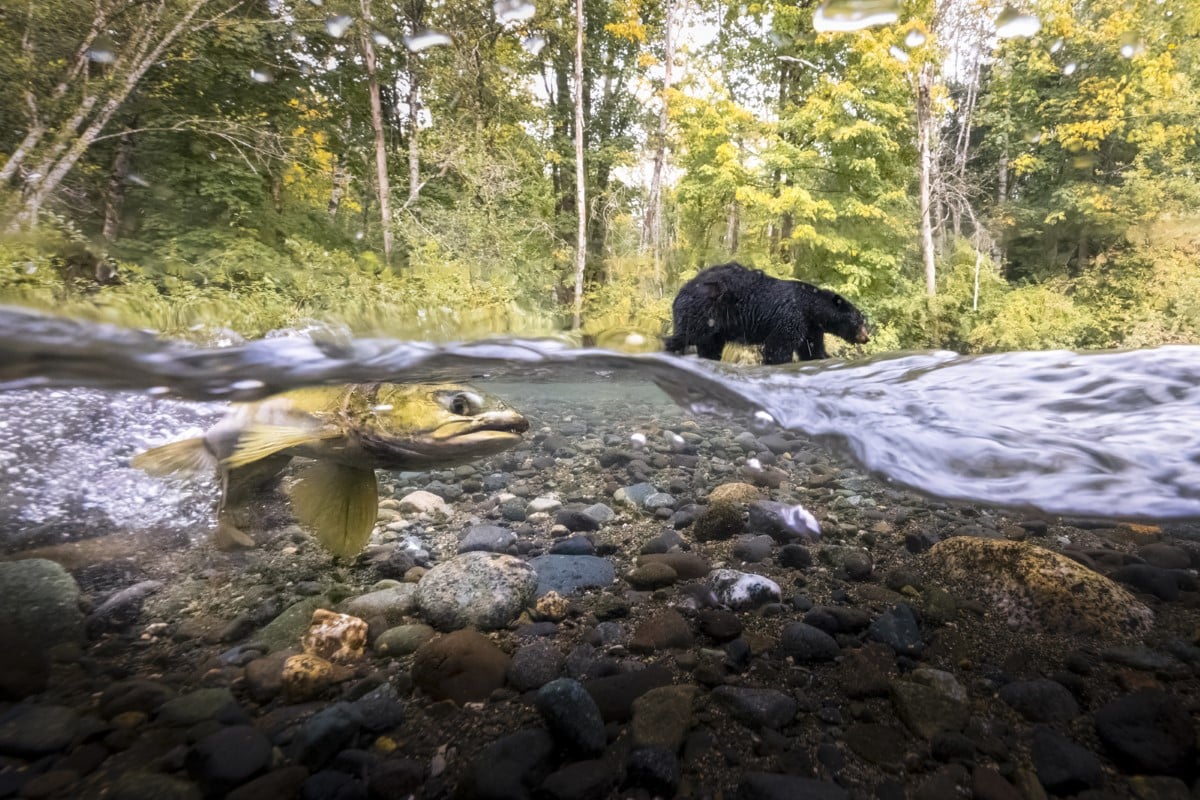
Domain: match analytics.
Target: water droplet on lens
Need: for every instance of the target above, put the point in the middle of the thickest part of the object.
(1083, 161)
(1069, 69)
(914, 38)
(1033, 136)
(533, 44)
(854, 15)
(382, 407)
(898, 54)
(103, 50)
(261, 76)
(1130, 43)
(381, 39)
(338, 25)
(1012, 24)
(513, 10)
(247, 385)
(136, 180)
(1058, 45)
(359, 236)
(638, 440)
(425, 40)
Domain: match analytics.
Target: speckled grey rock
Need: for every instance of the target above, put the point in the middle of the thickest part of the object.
(39, 602)
(484, 590)
(806, 643)
(757, 708)
(391, 605)
(487, 538)
(534, 665)
(572, 716)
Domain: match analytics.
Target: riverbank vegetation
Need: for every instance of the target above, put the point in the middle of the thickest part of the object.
(974, 176)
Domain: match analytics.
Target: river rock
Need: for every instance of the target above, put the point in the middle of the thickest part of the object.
(39, 602)
(756, 708)
(228, 758)
(782, 522)
(688, 566)
(403, 639)
(391, 605)
(422, 502)
(805, 643)
(33, 731)
(773, 786)
(462, 666)
(534, 665)
(484, 590)
(508, 766)
(572, 716)
(287, 629)
(1040, 700)
(568, 575)
(1062, 766)
(662, 717)
(139, 785)
(743, 590)
(667, 629)
(200, 705)
(1148, 731)
(335, 637)
(1037, 589)
(487, 538)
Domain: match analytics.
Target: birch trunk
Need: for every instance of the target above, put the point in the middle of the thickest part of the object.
(652, 232)
(381, 167)
(580, 173)
(114, 199)
(925, 155)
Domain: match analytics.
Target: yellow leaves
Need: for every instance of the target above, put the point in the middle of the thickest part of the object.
(1025, 164)
(629, 26)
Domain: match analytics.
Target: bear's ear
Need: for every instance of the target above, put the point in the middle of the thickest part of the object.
(712, 289)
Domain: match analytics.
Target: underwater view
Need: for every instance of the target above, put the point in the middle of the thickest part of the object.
(590, 399)
(668, 577)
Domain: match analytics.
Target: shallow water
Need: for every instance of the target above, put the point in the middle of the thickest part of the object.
(1111, 434)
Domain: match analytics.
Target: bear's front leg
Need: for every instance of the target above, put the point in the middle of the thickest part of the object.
(777, 349)
(710, 347)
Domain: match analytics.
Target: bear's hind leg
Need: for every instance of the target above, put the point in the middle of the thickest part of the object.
(710, 348)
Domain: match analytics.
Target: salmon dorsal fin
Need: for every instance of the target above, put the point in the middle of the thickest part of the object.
(338, 503)
(257, 442)
(186, 456)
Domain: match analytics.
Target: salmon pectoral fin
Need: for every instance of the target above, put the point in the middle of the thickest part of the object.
(338, 503)
(261, 441)
(187, 456)
(229, 537)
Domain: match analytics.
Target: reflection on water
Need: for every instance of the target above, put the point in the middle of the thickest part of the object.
(1102, 434)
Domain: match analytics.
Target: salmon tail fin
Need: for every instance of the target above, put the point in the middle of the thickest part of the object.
(188, 456)
(339, 504)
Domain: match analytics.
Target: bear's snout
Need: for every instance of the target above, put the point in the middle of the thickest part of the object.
(863, 335)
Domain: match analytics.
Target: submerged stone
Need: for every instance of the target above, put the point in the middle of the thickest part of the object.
(1038, 589)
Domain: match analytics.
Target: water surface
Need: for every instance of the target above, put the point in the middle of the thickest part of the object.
(1107, 434)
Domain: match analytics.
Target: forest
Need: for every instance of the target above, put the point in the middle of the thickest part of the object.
(974, 175)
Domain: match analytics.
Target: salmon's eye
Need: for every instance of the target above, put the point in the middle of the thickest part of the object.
(463, 404)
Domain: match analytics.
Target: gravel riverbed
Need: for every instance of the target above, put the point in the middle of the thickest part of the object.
(634, 602)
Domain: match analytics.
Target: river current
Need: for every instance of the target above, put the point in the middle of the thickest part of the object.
(1101, 434)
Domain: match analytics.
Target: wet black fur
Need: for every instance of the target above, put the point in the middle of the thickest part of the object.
(730, 303)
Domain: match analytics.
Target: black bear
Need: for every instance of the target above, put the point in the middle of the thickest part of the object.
(730, 303)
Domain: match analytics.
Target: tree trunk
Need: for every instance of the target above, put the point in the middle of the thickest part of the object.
(1002, 175)
(732, 228)
(145, 51)
(341, 179)
(414, 137)
(925, 156)
(652, 231)
(580, 172)
(381, 166)
(114, 200)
